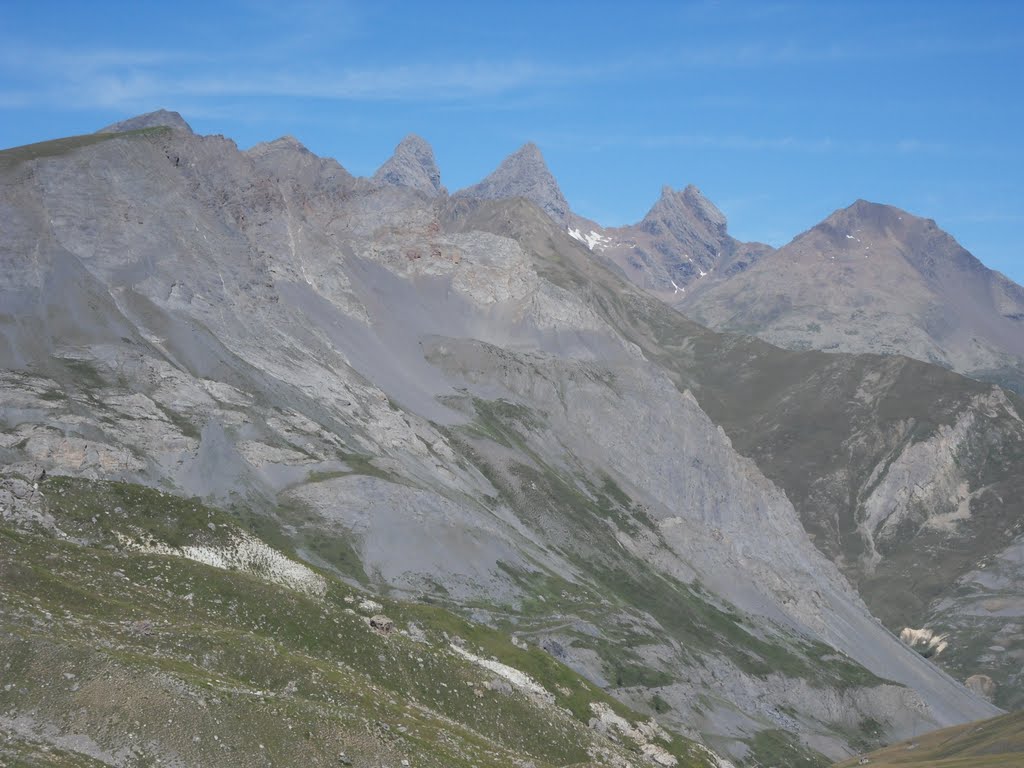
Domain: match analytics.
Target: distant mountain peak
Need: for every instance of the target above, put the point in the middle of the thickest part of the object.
(412, 165)
(531, 151)
(685, 207)
(524, 173)
(287, 143)
(877, 222)
(150, 120)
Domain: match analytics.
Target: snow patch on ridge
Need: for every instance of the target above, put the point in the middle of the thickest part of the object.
(592, 239)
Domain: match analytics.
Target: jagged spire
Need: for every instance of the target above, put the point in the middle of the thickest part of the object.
(412, 165)
(524, 174)
(686, 205)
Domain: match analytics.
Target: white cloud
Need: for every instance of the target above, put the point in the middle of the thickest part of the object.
(109, 78)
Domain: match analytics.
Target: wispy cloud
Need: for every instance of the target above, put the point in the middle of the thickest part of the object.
(126, 79)
(748, 143)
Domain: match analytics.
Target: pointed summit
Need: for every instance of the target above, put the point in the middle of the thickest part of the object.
(281, 144)
(412, 165)
(874, 217)
(887, 230)
(150, 120)
(685, 211)
(524, 174)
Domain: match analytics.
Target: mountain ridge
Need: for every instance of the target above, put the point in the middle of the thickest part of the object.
(524, 173)
(442, 363)
(412, 165)
(874, 278)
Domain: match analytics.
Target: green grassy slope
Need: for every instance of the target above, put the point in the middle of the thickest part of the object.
(111, 653)
(995, 743)
(15, 155)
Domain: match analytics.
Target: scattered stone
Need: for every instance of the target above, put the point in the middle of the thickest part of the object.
(370, 606)
(554, 648)
(498, 686)
(416, 633)
(983, 685)
(381, 624)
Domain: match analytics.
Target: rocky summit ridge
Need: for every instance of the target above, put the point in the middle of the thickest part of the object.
(255, 392)
(524, 174)
(412, 165)
(874, 278)
(159, 118)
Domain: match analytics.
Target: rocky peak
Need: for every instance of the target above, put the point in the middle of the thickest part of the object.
(282, 144)
(874, 218)
(685, 209)
(524, 173)
(889, 230)
(150, 120)
(412, 165)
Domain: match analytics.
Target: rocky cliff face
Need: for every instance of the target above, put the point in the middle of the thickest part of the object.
(452, 400)
(871, 278)
(412, 165)
(523, 174)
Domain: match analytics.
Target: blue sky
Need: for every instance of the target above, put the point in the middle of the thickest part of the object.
(780, 112)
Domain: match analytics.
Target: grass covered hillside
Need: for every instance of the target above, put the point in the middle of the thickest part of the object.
(138, 628)
(995, 743)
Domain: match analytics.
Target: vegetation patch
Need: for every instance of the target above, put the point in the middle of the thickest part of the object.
(12, 157)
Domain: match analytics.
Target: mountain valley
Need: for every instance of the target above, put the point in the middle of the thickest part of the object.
(245, 393)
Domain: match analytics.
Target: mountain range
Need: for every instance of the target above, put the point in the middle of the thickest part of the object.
(869, 278)
(458, 410)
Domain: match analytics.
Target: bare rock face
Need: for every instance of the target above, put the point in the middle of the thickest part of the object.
(160, 117)
(524, 174)
(412, 165)
(680, 245)
(685, 213)
(873, 278)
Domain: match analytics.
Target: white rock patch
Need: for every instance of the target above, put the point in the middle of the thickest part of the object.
(924, 637)
(370, 606)
(244, 553)
(520, 680)
(643, 734)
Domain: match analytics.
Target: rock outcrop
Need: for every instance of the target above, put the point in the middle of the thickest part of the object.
(412, 165)
(524, 174)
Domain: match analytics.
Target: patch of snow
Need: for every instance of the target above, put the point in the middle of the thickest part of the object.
(520, 680)
(592, 239)
(246, 553)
